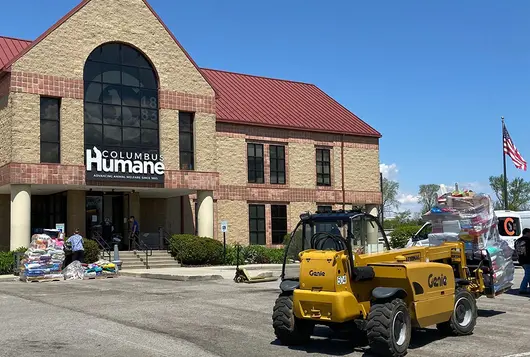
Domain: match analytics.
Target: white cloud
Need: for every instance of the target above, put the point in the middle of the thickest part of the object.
(389, 171)
(407, 198)
(409, 202)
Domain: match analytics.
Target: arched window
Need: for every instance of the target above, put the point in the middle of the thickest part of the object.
(121, 100)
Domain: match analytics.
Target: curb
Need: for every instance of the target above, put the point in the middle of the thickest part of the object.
(8, 278)
(172, 277)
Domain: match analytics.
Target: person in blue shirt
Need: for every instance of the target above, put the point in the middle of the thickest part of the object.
(135, 229)
(135, 232)
(76, 243)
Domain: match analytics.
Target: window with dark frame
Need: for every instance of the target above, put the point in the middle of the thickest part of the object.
(324, 209)
(50, 137)
(277, 164)
(323, 167)
(186, 151)
(279, 223)
(120, 99)
(256, 222)
(256, 172)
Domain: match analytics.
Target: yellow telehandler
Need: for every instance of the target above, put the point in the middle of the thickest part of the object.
(346, 276)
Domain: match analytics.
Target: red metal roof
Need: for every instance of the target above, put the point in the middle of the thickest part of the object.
(9, 48)
(246, 99)
(270, 102)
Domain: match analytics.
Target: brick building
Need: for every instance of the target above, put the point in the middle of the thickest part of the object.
(106, 115)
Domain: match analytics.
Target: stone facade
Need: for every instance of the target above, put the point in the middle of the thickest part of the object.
(64, 51)
(300, 193)
(54, 67)
(71, 119)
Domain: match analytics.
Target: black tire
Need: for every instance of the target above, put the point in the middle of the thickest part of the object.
(287, 328)
(389, 328)
(464, 316)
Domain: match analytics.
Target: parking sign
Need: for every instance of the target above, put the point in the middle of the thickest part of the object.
(224, 226)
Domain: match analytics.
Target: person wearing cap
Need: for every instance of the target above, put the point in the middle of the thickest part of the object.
(76, 243)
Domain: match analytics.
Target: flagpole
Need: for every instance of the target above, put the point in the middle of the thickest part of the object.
(504, 165)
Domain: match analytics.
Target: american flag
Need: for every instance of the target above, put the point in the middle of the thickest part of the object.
(511, 150)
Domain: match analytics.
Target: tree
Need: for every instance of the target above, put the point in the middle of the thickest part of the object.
(390, 192)
(428, 196)
(518, 193)
(403, 217)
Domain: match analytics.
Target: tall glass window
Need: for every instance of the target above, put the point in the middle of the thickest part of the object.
(121, 99)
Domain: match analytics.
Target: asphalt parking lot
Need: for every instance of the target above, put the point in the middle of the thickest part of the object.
(145, 317)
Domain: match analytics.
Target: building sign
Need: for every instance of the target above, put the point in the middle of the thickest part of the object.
(122, 165)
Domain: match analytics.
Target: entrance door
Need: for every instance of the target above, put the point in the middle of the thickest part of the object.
(100, 207)
(117, 214)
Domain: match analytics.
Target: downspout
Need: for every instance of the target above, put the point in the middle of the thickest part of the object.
(181, 214)
(342, 172)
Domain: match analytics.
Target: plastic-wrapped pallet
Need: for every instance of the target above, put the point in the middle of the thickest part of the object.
(473, 215)
(43, 259)
(440, 238)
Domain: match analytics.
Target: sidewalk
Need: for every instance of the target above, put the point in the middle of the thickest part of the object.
(192, 273)
(202, 273)
(9, 277)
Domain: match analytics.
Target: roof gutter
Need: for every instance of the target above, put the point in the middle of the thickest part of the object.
(342, 172)
(295, 128)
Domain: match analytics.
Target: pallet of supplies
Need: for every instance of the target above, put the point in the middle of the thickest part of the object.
(43, 260)
(470, 218)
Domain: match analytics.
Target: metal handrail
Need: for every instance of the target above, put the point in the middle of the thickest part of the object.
(139, 245)
(17, 257)
(103, 245)
(165, 235)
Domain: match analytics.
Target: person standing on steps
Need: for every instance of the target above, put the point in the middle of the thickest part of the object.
(522, 247)
(76, 243)
(135, 231)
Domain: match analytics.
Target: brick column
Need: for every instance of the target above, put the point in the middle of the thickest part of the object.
(268, 226)
(75, 212)
(134, 207)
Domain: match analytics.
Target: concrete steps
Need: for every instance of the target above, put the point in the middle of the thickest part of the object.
(158, 259)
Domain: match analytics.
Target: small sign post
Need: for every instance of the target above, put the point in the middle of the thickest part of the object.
(224, 228)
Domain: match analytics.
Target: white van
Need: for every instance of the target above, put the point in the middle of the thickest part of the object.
(511, 224)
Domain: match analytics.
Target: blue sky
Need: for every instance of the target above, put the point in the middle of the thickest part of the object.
(433, 77)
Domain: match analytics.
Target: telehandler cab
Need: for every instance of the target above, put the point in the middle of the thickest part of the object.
(349, 279)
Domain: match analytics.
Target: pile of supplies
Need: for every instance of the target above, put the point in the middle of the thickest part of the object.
(101, 268)
(469, 217)
(44, 258)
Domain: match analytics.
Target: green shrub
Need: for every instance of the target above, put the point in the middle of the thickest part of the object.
(193, 250)
(7, 261)
(92, 251)
(254, 254)
(231, 255)
(401, 235)
(258, 254)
